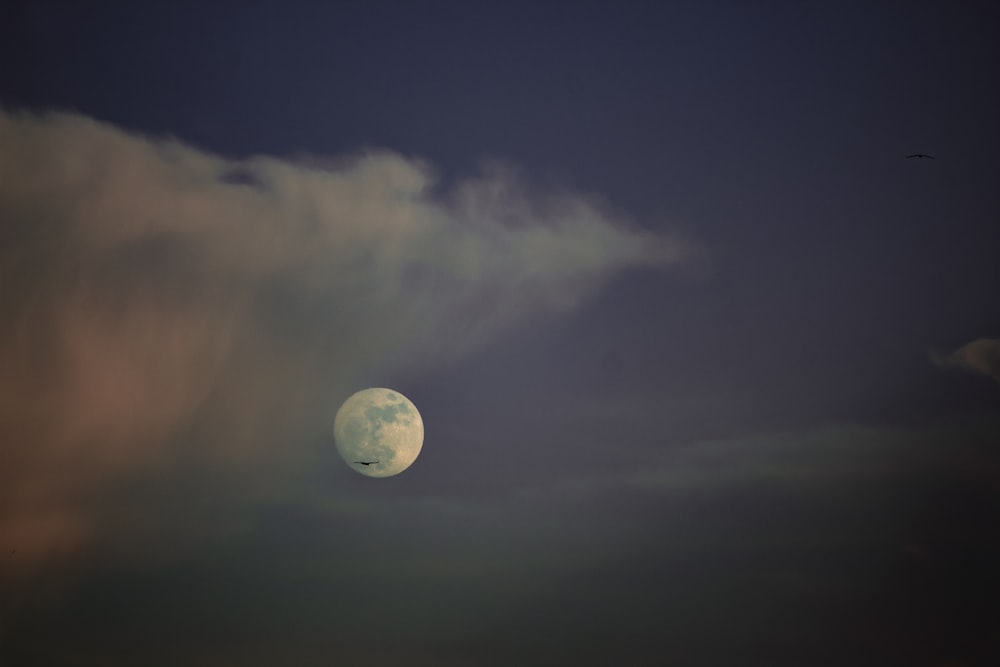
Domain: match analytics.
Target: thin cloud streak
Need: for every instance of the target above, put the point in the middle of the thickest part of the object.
(165, 307)
(980, 356)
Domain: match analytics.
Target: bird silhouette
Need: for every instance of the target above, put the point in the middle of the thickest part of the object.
(921, 155)
(366, 463)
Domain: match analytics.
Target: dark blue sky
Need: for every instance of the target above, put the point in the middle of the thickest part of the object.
(708, 367)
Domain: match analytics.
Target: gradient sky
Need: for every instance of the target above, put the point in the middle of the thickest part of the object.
(709, 370)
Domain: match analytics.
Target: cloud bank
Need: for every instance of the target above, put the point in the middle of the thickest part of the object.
(162, 307)
(979, 356)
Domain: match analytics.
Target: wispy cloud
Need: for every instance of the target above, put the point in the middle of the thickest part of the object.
(979, 356)
(163, 307)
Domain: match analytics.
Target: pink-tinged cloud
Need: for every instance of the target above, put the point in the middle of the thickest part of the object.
(980, 356)
(163, 308)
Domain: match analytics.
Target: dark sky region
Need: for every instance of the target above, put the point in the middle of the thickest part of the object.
(709, 370)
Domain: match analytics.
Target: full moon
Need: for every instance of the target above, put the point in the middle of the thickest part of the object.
(378, 432)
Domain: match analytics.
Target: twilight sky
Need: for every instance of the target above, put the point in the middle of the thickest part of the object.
(709, 370)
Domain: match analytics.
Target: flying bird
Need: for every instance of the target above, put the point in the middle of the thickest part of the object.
(366, 463)
(921, 155)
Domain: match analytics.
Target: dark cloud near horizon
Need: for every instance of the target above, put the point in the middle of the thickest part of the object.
(881, 538)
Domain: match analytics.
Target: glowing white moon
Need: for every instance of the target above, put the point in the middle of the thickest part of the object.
(378, 432)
